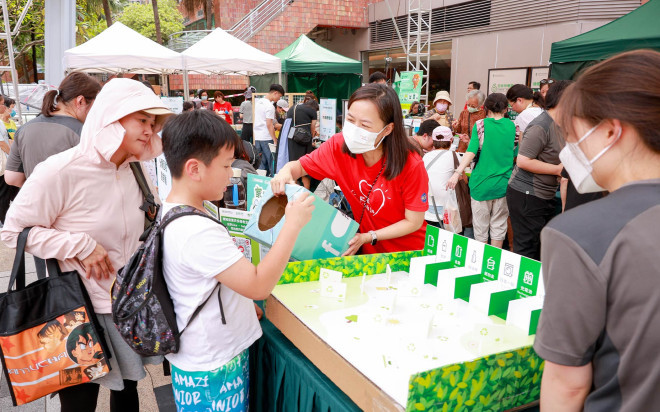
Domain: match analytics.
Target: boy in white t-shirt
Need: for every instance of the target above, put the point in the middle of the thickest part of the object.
(211, 368)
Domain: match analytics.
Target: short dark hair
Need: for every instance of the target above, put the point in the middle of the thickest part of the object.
(376, 76)
(202, 91)
(555, 90)
(312, 103)
(187, 106)
(217, 94)
(441, 144)
(199, 134)
(277, 88)
(427, 127)
(496, 103)
(476, 85)
(521, 91)
(396, 145)
(9, 101)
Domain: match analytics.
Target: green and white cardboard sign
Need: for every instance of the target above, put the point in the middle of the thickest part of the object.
(235, 221)
(438, 243)
(474, 257)
(491, 262)
(459, 251)
(432, 237)
(256, 187)
(529, 277)
(492, 276)
(509, 269)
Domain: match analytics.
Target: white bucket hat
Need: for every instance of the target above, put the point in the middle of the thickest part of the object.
(442, 95)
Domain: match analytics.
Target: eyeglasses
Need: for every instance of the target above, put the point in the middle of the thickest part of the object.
(546, 81)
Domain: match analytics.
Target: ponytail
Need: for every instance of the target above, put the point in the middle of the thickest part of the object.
(74, 85)
(539, 100)
(49, 103)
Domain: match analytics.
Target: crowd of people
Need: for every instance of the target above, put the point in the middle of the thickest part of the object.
(596, 331)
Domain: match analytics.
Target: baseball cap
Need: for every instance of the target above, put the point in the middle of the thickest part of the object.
(442, 134)
(283, 104)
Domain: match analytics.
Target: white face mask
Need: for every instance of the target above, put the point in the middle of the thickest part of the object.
(441, 107)
(579, 168)
(472, 109)
(359, 140)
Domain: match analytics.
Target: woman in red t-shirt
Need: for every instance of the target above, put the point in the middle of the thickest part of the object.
(378, 170)
(223, 108)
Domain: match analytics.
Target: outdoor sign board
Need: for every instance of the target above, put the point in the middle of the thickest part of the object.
(328, 114)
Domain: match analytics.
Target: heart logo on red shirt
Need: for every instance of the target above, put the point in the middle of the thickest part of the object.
(376, 199)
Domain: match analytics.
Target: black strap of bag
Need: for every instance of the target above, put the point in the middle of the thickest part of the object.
(149, 205)
(18, 269)
(162, 227)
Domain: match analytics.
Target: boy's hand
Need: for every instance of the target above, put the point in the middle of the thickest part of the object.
(280, 180)
(299, 211)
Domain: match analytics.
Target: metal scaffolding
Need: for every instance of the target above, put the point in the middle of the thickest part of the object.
(7, 36)
(418, 50)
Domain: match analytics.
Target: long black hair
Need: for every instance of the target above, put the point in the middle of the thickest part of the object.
(396, 145)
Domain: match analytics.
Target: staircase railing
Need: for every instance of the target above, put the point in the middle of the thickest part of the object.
(258, 18)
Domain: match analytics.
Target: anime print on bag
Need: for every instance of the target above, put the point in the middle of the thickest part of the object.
(49, 336)
(62, 352)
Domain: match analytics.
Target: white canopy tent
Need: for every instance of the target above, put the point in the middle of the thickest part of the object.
(119, 49)
(221, 53)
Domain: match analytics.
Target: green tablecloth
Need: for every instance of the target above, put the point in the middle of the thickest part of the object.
(283, 379)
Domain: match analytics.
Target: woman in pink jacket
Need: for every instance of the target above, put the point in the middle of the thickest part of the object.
(83, 205)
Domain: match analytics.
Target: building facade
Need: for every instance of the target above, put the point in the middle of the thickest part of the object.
(470, 39)
(291, 19)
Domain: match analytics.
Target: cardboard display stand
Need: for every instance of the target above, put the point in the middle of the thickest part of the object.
(447, 328)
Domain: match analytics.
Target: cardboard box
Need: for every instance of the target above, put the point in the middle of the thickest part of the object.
(326, 235)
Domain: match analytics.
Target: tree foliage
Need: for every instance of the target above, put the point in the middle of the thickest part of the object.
(28, 42)
(140, 17)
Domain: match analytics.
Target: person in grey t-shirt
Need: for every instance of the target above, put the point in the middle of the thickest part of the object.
(599, 330)
(55, 130)
(530, 195)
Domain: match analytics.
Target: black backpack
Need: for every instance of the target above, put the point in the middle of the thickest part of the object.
(142, 308)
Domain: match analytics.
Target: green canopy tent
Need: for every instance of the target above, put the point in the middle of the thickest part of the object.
(638, 29)
(308, 66)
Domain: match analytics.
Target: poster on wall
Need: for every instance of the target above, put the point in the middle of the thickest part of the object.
(500, 80)
(538, 74)
(328, 113)
(409, 86)
(175, 104)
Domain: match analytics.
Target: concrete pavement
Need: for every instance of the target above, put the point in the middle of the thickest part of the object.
(154, 379)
